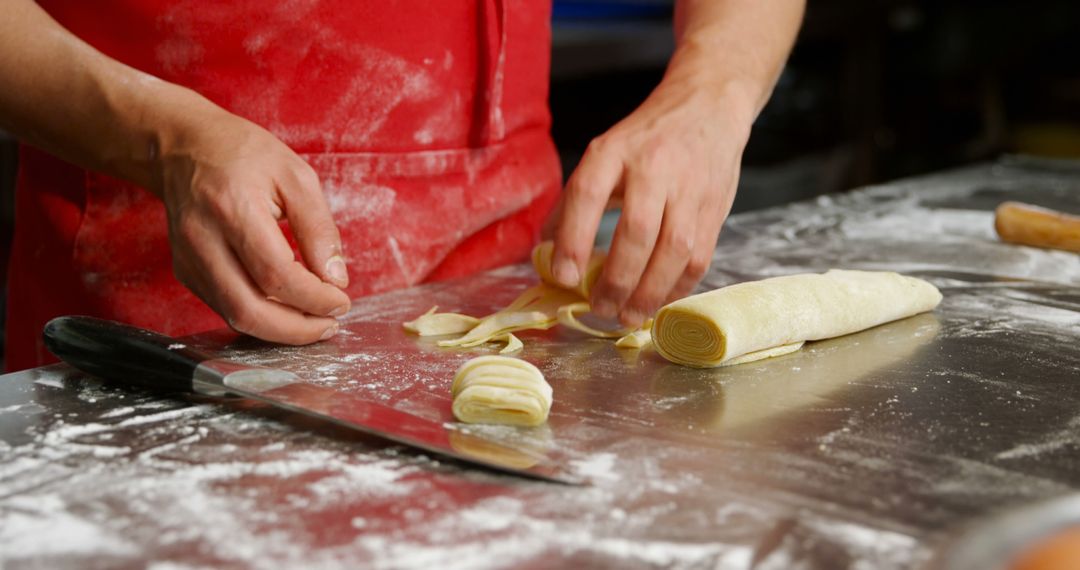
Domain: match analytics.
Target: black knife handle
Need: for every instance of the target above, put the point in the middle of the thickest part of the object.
(122, 353)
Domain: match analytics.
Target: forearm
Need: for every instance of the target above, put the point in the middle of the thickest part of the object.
(674, 162)
(60, 94)
(225, 182)
(734, 46)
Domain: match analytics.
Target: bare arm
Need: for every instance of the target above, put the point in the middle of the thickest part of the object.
(674, 162)
(59, 94)
(224, 180)
(738, 41)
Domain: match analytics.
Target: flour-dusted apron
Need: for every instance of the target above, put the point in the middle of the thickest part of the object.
(426, 121)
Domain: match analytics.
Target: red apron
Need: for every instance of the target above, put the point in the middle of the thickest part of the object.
(426, 121)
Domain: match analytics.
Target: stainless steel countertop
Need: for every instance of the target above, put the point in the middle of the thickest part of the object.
(866, 451)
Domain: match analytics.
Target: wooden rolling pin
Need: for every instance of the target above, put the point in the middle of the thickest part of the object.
(1040, 227)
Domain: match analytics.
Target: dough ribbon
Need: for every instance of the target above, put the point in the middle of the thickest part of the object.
(540, 307)
(568, 317)
(536, 308)
(434, 324)
(639, 338)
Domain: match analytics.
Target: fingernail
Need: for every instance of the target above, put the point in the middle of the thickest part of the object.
(604, 309)
(333, 330)
(565, 272)
(340, 311)
(335, 268)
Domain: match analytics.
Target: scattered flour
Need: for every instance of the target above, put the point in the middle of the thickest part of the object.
(597, 467)
(152, 482)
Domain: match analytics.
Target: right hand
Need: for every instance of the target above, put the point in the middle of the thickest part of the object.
(226, 183)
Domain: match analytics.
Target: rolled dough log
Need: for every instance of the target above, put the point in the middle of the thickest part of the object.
(759, 319)
(500, 390)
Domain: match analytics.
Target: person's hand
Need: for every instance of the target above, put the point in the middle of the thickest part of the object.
(673, 164)
(226, 184)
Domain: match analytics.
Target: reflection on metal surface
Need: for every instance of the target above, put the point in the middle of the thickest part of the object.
(215, 377)
(256, 380)
(383, 421)
(521, 456)
(750, 394)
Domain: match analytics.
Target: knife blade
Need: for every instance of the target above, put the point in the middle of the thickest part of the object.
(121, 353)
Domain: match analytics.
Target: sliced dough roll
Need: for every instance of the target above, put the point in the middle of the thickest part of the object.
(500, 390)
(755, 320)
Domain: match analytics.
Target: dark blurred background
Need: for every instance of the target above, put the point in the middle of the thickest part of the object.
(875, 90)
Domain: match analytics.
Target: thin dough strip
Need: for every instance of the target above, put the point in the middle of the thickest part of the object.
(567, 317)
(536, 308)
(434, 324)
(513, 343)
(500, 324)
(763, 354)
(539, 307)
(640, 338)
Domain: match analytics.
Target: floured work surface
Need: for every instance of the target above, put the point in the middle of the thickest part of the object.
(862, 451)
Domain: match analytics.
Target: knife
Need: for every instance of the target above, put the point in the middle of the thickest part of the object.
(121, 353)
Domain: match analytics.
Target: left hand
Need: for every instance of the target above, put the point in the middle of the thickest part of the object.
(674, 166)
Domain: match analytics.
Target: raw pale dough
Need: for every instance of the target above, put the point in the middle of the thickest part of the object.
(760, 319)
(432, 323)
(763, 354)
(568, 317)
(640, 338)
(500, 390)
(536, 308)
(540, 307)
(513, 343)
